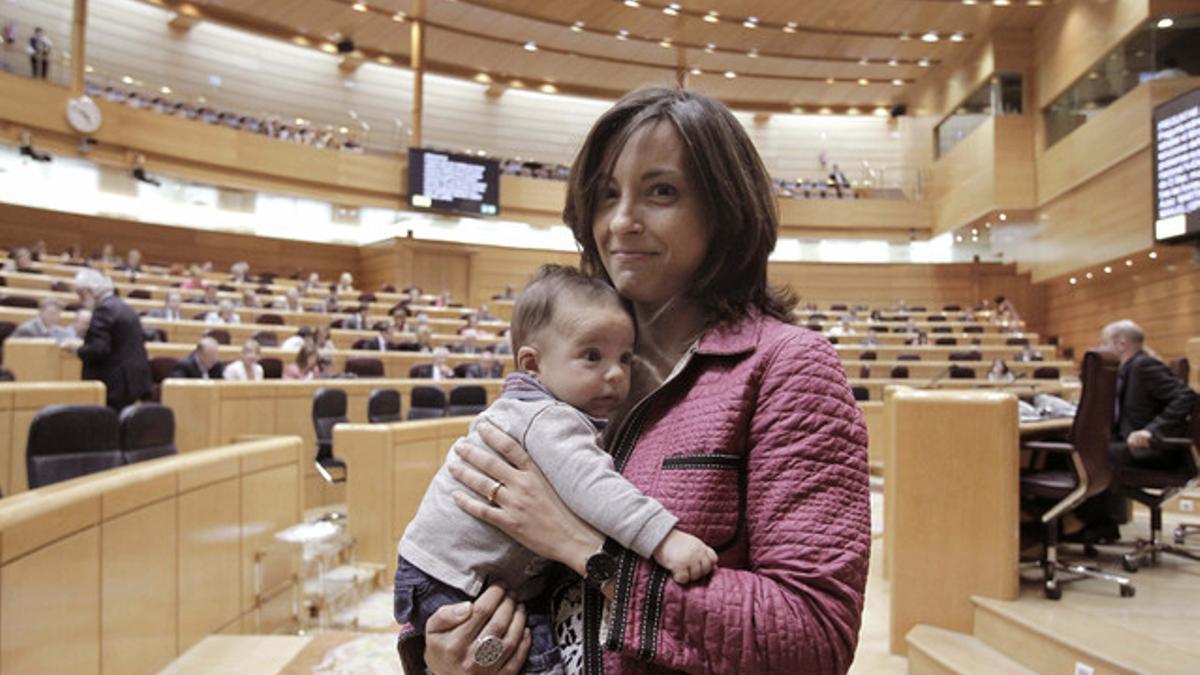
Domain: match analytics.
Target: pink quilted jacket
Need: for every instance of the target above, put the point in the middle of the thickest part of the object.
(759, 449)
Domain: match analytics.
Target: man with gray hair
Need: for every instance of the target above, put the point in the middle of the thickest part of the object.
(1151, 404)
(202, 364)
(112, 350)
(45, 324)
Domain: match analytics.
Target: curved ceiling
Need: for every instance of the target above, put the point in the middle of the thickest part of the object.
(753, 54)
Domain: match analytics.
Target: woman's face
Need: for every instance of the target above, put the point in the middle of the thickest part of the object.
(649, 226)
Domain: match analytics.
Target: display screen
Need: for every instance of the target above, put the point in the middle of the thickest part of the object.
(1177, 169)
(443, 181)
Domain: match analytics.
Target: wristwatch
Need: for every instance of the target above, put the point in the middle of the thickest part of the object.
(601, 568)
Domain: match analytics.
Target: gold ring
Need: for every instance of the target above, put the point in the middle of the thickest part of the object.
(493, 491)
(487, 650)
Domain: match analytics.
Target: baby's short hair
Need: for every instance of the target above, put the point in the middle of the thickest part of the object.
(535, 307)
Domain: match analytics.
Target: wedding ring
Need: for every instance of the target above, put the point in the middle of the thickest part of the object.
(492, 493)
(487, 649)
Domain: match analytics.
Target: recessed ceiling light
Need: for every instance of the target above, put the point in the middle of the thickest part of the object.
(729, 74)
(483, 78)
(1129, 263)
(531, 46)
(672, 9)
(864, 81)
(622, 35)
(1003, 216)
(830, 80)
(898, 82)
(710, 48)
(88, 69)
(987, 225)
(516, 84)
(790, 27)
(577, 26)
(958, 238)
(893, 62)
(930, 36)
(905, 37)
(165, 89)
(1165, 22)
(1072, 281)
(632, 3)
(398, 17)
(924, 63)
(696, 71)
(1089, 275)
(975, 231)
(665, 43)
(549, 88)
(852, 111)
(1153, 255)
(825, 111)
(753, 53)
(127, 79)
(359, 7)
(1001, 3)
(329, 48)
(1034, 3)
(969, 2)
(751, 22)
(300, 40)
(713, 16)
(957, 36)
(1107, 269)
(881, 111)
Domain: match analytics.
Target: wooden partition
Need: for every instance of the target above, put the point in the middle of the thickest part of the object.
(213, 412)
(953, 525)
(390, 466)
(121, 571)
(19, 402)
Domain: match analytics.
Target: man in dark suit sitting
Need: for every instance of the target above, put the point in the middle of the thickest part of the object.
(204, 363)
(112, 350)
(486, 368)
(1151, 404)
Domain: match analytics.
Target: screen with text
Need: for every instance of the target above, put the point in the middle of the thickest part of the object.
(442, 181)
(1177, 169)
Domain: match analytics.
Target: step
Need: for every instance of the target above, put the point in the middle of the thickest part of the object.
(1055, 637)
(937, 651)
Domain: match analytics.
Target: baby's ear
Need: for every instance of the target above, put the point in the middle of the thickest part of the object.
(527, 359)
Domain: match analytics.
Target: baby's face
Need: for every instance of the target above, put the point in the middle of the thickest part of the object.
(585, 356)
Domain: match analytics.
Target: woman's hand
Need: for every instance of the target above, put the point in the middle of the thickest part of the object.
(452, 631)
(525, 505)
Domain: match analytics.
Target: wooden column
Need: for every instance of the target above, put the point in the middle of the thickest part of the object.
(681, 68)
(418, 69)
(78, 47)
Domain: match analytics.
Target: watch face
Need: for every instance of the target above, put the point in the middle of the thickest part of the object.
(601, 567)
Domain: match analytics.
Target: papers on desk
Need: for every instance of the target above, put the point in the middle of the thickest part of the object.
(1044, 407)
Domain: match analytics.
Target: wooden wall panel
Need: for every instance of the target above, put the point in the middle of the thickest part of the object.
(209, 550)
(494, 268)
(1015, 179)
(1162, 295)
(963, 180)
(1073, 35)
(437, 268)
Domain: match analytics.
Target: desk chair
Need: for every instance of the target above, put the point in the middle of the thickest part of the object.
(68, 441)
(1154, 486)
(363, 366)
(466, 399)
(272, 367)
(383, 406)
(147, 432)
(269, 319)
(220, 335)
(861, 393)
(1052, 493)
(426, 402)
(460, 371)
(329, 410)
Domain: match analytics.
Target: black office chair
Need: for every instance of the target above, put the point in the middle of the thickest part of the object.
(961, 373)
(147, 432)
(460, 371)
(1046, 373)
(365, 367)
(951, 308)
(868, 356)
(219, 334)
(941, 329)
(68, 441)
(266, 338)
(972, 329)
(426, 402)
(466, 399)
(269, 319)
(272, 367)
(329, 409)
(1051, 493)
(908, 356)
(936, 317)
(383, 406)
(948, 341)
(966, 356)
(1154, 485)
(861, 393)
(899, 373)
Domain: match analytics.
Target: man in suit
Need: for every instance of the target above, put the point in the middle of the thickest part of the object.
(386, 340)
(112, 350)
(1151, 404)
(486, 368)
(170, 309)
(357, 320)
(45, 324)
(204, 363)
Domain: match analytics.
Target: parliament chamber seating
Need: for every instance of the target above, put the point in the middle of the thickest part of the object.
(466, 399)
(147, 432)
(383, 406)
(426, 402)
(67, 441)
(328, 410)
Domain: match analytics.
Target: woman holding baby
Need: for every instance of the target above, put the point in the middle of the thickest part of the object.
(738, 422)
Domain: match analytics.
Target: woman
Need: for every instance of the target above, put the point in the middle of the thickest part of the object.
(246, 368)
(999, 372)
(741, 424)
(307, 365)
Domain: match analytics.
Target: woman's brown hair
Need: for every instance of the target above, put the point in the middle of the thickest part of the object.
(724, 168)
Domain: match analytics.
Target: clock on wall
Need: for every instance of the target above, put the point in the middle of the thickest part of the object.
(83, 114)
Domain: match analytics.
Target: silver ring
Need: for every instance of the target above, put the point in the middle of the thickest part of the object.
(495, 489)
(487, 650)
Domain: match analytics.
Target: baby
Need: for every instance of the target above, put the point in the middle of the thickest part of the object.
(573, 341)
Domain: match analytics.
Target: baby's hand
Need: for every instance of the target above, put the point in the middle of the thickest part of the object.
(685, 556)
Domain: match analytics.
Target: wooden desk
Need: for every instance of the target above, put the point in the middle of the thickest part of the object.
(19, 402)
(248, 654)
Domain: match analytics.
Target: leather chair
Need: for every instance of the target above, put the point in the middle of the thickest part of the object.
(1181, 367)
(972, 329)
(1051, 493)
(364, 366)
(936, 317)
(147, 432)
(961, 373)
(861, 393)
(328, 410)
(1046, 373)
(365, 344)
(908, 356)
(269, 319)
(814, 327)
(941, 329)
(868, 356)
(266, 338)
(918, 308)
(966, 356)
(426, 402)
(68, 441)
(19, 301)
(219, 334)
(878, 329)
(1016, 342)
(1154, 486)
(838, 308)
(899, 373)
(466, 399)
(951, 308)
(383, 406)
(946, 341)
(161, 367)
(153, 335)
(139, 294)
(460, 371)
(272, 367)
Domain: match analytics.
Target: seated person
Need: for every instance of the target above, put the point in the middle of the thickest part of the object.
(921, 339)
(999, 372)
(195, 280)
(358, 320)
(488, 367)
(574, 343)
(439, 369)
(399, 316)
(386, 340)
(246, 368)
(239, 271)
(1027, 354)
(303, 336)
(170, 309)
(345, 283)
(204, 363)
(470, 343)
(225, 314)
(841, 328)
(22, 261)
(212, 296)
(45, 324)
(250, 299)
(133, 261)
(484, 314)
(870, 339)
(508, 294)
(424, 339)
(307, 365)
(290, 302)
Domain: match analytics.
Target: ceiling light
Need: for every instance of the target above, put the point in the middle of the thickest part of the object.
(399, 17)
(300, 40)
(1165, 22)
(864, 81)
(825, 111)
(1072, 281)
(753, 53)
(531, 46)
(549, 88)
(898, 82)
(710, 48)
(830, 80)
(1089, 275)
(1003, 216)
(165, 89)
(924, 63)
(329, 48)
(958, 238)
(1129, 263)
(665, 43)
(930, 36)
(1107, 269)
(957, 36)
(343, 130)
(483, 78)
(1001, 3)
(751, 22)
(577, 26)
(852, 111)
(696, 71)
(893, 62)
(881, 111)
(797, 110)
(385, 60)
(713, 16)
(790, 27)
(359, 7)
(672, 9)
(516, 84)
(1153, 255)
(127, 79)
(905, 37)
(987, 225)
(300, 121)
(89, 69)
(729, 74)
(1034, 3)
(632, 3)
(969, 2)
(622, 35)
